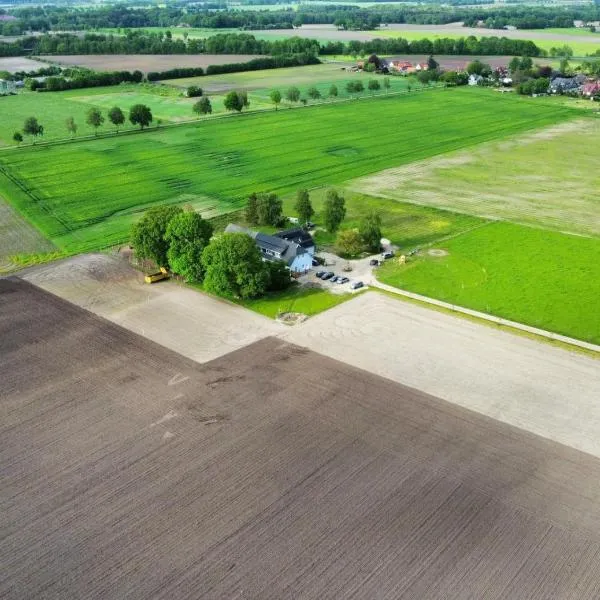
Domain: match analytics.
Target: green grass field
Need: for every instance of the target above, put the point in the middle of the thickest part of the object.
(405, 225)
(85, 195)
(268, 79)
(308, 301)
(54, 108)
(541, 278)
(545, 179)
(167, 102)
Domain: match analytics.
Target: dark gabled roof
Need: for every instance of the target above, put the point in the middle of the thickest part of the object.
(298, 235)
(270, 242)
(286, 249)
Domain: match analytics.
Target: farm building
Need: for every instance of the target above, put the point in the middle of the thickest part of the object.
(566, 84)
(272, 248)
(591, 89)
(300, 237)
(6, 87)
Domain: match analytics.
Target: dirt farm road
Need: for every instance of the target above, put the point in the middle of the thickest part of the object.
(521, 382)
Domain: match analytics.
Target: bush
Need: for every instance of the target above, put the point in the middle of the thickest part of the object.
(194, 91)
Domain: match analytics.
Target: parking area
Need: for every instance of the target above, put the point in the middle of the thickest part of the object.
(341, 276)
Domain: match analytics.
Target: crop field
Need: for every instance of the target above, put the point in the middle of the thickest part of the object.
(541, 278)
(545, 179)
(544, 39)
(53, 109)
(85, 195)
(14, 64)
(147, 62)
(335, 483)
(17, 236)
(268, 79)
(405, 225)
(168, 102)
(582, 42)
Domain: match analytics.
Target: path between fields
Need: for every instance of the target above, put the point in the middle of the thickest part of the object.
(537, 387)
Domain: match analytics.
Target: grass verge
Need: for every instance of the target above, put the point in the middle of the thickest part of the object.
(308, 301)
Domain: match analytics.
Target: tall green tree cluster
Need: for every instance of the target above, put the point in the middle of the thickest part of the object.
(228, 264)
(264, 209)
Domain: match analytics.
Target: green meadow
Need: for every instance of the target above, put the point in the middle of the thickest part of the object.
(168, 102)
(405, 225)
(85, 195)
(541, 278)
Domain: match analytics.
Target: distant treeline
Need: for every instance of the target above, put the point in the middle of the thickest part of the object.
(256, 64)
(217, 16)
(139, 43)
(86, 79)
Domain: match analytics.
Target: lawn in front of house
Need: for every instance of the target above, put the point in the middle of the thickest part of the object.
(299, 299)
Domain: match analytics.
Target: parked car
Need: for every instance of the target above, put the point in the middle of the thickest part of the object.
(328, 275)
(343, 280)
(357, 285)
(374, 262)
(319, 274)
(387, 254)
(334, 279)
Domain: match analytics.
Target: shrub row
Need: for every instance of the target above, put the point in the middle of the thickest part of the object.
(87, 79)
(256, 64)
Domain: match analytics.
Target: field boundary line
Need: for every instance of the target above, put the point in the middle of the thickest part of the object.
(486, 317)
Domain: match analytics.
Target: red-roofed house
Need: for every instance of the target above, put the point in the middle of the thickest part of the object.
(591, 89)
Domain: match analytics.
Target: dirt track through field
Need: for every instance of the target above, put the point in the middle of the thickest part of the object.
(272, 472)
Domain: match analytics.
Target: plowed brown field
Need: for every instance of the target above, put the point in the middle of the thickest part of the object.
(128, 471)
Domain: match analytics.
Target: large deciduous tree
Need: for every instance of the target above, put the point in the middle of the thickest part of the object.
(279, 276)
(370, 231)
(334, 210)
(140, 114)
(303, 207)
(374, 85)
(71, 126)
(234, 267)
(236, 100)
(293, 94)
(275, 96)
(203, 106)
(148, 234)
(251, 212)
(313, 93)
(269, 209)
(349, 243)
(116, 117)
(94, 119)
(32, 127)
(187, 235)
